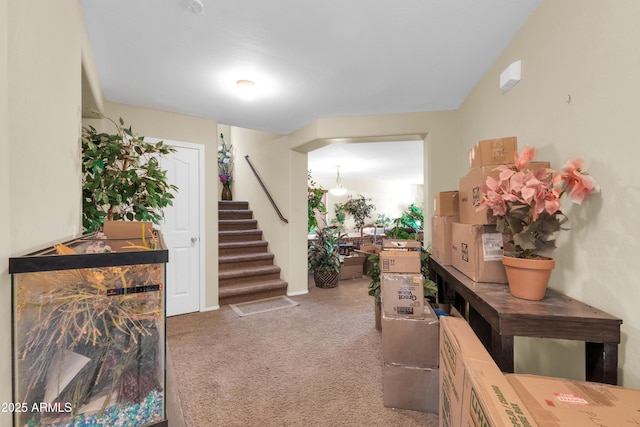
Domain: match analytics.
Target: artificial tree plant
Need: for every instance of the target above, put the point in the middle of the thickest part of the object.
(359, 208)
(315, 205)
(122, 178)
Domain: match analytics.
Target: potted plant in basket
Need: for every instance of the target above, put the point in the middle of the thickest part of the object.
(528, 212)
(324, 257)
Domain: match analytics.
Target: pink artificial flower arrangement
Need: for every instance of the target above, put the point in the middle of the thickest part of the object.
(526, 203)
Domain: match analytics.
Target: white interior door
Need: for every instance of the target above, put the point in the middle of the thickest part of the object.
(181, 229)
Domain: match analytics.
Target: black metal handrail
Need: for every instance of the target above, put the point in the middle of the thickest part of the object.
(266, 191)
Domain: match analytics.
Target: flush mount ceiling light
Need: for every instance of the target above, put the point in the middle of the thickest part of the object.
(246, 89)
(195, 6)
(339, 190)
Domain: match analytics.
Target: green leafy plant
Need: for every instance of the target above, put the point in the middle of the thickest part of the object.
(323, 253)
(315, 193)
(408, 225)
(359, 208)
(122, 178)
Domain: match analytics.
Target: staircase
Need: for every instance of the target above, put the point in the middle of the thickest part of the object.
(245, 268)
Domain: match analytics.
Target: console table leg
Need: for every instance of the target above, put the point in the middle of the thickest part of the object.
(502, 351)
(601, 362)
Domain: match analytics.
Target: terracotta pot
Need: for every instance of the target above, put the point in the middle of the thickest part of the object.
(226, 192)
(528, 278)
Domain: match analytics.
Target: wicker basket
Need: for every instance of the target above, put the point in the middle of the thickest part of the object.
(326, 279)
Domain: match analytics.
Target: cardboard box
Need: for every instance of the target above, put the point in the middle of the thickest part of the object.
(411, 342)
(472, 389)
(400, 244)
(565, 403)
(493, 152)
(399, 261)
(476, 251)
(352, 267)
(402, 295)
(446, 203)
(409, 387)
(122, 235)
(441, 238)
(470, 194)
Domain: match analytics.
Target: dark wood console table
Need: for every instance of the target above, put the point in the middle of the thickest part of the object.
(496, 317)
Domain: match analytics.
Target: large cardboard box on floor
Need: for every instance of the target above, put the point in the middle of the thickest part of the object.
(476, 251)
(493, 152)
(446, 203)
(410, 387)
(400, 261)
(402, 294)
(472, 389)
(566, 403)
(352, 267)
(470, 194)
(441, 238)
(411, 342)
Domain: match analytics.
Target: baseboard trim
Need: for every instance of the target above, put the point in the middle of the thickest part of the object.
(293, 294)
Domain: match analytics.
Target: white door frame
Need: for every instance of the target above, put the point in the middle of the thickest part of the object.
(200, 148)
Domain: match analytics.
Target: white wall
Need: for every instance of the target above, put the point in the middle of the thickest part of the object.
(389, 198)
(40, 66)
(578, 96)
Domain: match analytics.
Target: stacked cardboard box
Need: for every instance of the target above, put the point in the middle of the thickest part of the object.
(476, 245)
(446, 212)
(409, 331)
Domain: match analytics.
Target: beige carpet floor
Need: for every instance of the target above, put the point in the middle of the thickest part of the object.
(315, 364)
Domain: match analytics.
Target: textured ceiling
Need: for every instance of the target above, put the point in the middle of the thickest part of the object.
(309, 59)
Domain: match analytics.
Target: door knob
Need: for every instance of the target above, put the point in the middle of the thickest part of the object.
(194, 239)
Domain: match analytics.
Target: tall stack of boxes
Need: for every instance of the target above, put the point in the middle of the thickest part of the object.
(446, 212)
(410, 330)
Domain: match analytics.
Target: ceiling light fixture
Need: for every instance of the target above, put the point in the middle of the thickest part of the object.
(195, 6)
(339, 190)
(246, 89)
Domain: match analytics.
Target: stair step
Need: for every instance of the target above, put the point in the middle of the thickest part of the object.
(237, 293)
(235, 214)
(237, 224)
(239, 248)
(239, 236)
(244, 261)
(250, 275)
(225, 205)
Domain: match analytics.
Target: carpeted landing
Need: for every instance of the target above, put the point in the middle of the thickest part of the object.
(315, 364)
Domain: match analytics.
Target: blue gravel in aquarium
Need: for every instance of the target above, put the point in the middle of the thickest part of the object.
(126, 415)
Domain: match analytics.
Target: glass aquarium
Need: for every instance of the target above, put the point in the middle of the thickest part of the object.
(89, 332)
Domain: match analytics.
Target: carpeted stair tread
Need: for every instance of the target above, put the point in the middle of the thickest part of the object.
(226, 205)
(246, 247)
(245, 257)
(243, 289)
(235, 214)
(237, 224)
(248, 272)
(239, 235)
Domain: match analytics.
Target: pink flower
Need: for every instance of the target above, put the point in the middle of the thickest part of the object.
(526, 203)
(527, 155)
(578, 183)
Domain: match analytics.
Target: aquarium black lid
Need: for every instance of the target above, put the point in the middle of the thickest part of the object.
(49, 260)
